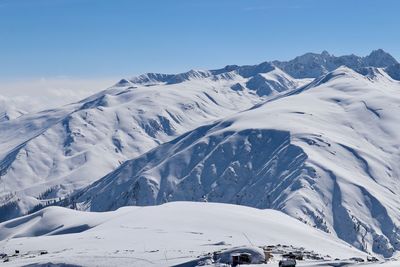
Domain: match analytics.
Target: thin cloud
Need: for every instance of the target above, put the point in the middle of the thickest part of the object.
(42, 93)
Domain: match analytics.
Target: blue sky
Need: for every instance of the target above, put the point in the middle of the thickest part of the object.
(121, 38)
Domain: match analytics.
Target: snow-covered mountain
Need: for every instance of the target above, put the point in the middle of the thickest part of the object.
(48, 155)
(326, 153)
(309, 65)
(314, 65)
(323, 150)
(262, 79)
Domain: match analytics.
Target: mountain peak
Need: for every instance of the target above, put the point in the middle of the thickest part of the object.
(379, 51)
(313, 65)
(325, 53)
(380, 58)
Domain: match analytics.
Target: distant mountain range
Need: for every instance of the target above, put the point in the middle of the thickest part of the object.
(316, 137)
(310, 65)
(315, 65)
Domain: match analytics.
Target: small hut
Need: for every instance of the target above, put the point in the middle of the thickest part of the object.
(241, 258)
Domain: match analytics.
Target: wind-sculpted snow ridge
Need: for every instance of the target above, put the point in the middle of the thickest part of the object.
(48, 155)
(326, 154)
(162, 235)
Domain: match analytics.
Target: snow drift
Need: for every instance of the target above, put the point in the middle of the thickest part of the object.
(158, 236)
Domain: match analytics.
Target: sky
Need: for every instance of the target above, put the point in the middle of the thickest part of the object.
(63, 42)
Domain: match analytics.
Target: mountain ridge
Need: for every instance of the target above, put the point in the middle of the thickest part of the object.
(120, 122)
(308, 65)
(321, 149)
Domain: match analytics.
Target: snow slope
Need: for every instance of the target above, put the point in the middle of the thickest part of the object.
(326, 154)
(163, 235)
(47, 155)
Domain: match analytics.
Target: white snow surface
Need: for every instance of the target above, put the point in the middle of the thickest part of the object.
(162, 235)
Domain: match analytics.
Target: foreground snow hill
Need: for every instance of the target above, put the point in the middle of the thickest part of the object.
(48, 155)
(326, 154)
(163, 235)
